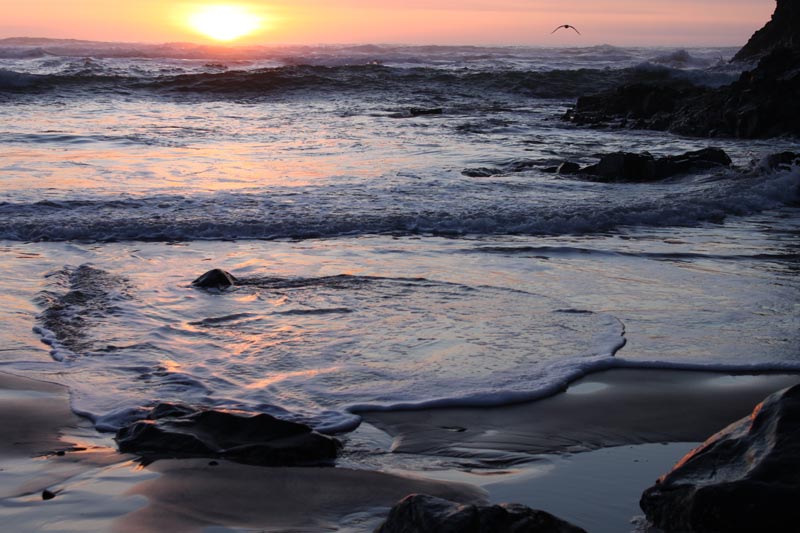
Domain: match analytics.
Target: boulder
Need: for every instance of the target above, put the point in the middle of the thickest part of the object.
(215, 279)
(420, 513)
(630, 167)
(744, 478)
(782, 31)
(175, 430)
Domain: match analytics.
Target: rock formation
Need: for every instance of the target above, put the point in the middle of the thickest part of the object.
(744, 478)
(782, 31)
(628, 167)
(762, 103)
(175, 430)
(420, 513)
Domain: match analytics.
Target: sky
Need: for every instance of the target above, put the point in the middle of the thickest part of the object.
(479, 22)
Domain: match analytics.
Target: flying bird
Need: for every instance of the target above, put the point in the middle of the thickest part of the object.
(566, 26)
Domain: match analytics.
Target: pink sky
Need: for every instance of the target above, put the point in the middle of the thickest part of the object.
(484, 22)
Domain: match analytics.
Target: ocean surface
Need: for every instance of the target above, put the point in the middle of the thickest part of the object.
(375, 273)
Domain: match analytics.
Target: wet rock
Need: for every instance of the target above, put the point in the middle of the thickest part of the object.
(782, 160)
(763, 103)
(744, 478)
(630, 167)
(782, 31)
(568, 167)
(215, 279)
(420, 513)
(48, 495)
(417, 112)
(178, 431)
(480, 172)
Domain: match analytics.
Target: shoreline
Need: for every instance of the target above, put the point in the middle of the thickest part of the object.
(596, 439)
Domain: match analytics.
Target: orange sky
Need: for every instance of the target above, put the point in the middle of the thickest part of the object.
(619, 22)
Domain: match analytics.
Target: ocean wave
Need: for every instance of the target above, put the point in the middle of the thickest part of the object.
(440, 208)
(234, 82)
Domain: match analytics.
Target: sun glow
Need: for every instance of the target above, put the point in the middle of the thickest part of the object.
(225, 22)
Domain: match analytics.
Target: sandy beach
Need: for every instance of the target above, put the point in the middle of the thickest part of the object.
(584, 454)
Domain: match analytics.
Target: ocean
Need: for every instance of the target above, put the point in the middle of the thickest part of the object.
(379, 270)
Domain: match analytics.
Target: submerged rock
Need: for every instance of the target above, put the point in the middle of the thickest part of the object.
(174, 430)
(420, 513)
(782, 31)
(215, 279)
(630, 167)
(744, 478)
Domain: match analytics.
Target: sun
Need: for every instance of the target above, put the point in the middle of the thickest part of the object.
(224, 22)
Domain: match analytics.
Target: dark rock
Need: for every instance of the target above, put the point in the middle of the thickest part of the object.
(744, 478)
(782, 31)
(48, 495)
(763, 103)
(420, 513)
(637, 105)
(179, 431)
(480, 172)
(629, 167)
(782, 160)
(623, 166)
(417, 112)
(568, 167)
(215, 279)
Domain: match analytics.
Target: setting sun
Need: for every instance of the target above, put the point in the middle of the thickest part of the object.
(224, 22)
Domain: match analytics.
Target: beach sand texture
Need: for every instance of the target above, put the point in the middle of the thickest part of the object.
(99, 489)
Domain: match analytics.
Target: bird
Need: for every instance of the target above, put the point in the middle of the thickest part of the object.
(566, 26)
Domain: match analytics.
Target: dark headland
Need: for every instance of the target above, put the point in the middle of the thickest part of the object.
(762, 103)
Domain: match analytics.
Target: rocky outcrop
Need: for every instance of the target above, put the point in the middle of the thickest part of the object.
(628, 167)
(175, 430)
(762, 103)
(215, 279)
(744, 478)
(782, 31)
(420, 513)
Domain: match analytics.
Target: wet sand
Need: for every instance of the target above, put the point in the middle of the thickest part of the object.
(611, 408)
(527, 451)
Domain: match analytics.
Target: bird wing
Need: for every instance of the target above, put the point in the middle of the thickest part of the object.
(574, 28)
(555, 30)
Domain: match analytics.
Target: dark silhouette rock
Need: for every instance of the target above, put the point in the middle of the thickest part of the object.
(480, 172)
(420, 513)
(782, 31)
(215, 279)
(782, 160)
(762, 103)
(568, 167)
(48, 494)
(174, 430)
(629, 167)
(744, 478)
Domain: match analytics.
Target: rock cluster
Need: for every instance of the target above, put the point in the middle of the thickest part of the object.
(420, 513)
(629, 167)
(744, 478)
(762, 103)
(176, 430)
